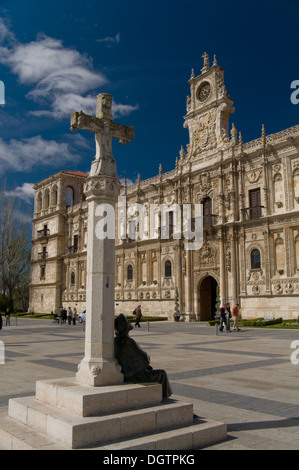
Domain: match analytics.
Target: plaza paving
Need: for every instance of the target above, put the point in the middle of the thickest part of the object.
(245, 379)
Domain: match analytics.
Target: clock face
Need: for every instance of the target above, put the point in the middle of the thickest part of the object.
(204, 92)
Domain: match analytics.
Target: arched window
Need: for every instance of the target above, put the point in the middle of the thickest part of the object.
(46, 199)
(73, 278)
(255, 259)
(39, 202)
(130, 273)
(54, 196)
(168, 268)
(69, 196)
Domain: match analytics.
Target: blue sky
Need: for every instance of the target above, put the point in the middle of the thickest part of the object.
(56, 56)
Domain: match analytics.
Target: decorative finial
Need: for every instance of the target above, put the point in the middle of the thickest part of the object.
(215, 61)
(192, 73)
(160, 169)
(263, 136)
(206, 62)
(234, 133)
(182, 153)
(241, 141)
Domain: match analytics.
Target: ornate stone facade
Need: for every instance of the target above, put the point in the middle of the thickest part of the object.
(250, 197)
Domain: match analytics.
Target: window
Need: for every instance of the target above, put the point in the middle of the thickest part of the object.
(47, 199)
(255, 203)
(130, 273)
(69, 196)
(76, 243)
(170, 222)
(73, 278)
(168, 268)
(43, 272)
(207, 212)
(255, 259)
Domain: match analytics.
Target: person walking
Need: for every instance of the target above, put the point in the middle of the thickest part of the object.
(222, 318)
(74, 316)
(7, 317)
(228, 316)
(61, 314)
(138, 315)
(235, 314)
(69, 315)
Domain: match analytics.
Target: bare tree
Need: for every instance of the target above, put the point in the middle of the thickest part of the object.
(14, 246)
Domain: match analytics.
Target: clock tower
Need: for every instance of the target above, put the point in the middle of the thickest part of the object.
(208, 110)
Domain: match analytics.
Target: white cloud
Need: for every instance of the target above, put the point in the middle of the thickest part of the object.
(51, 67)
(110, 40)
(129, 181)
(25, 154)
(24, 192)
(59, 76)
(5, 34)
(123, 109)
(68, 103)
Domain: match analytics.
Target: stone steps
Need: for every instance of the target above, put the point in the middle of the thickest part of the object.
(66, 415)
(17, 436)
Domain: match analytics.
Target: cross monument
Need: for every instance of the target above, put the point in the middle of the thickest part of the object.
(99, 367)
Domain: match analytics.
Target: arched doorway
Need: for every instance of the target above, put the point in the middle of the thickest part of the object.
(208, 297)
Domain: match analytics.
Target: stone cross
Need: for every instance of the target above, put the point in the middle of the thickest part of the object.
(99, 367)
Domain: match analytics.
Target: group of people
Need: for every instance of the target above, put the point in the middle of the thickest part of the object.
(226, 314)
(66, 316)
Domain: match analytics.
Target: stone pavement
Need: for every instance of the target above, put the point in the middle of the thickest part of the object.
(245, 379)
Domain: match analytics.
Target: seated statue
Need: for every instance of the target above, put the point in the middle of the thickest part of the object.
(135, 362)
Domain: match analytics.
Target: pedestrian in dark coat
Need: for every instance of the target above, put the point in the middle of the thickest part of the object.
(138, 315)
(222, 318)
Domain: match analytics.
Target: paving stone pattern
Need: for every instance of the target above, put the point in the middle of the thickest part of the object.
(245, 379)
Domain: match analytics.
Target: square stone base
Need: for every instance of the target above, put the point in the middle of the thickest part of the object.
(67, 415)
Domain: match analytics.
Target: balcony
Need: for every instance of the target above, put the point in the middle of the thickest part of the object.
(208, 221)
(42, 255)
(250, 213)
(45, 232)
(72, 249)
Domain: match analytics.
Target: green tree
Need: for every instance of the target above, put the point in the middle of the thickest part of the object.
(14, 247)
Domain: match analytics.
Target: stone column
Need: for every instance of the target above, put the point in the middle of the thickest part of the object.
(99, 367)
(234, 274)
(222, 269)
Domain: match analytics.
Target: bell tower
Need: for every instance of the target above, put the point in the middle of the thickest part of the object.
(208, 109)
